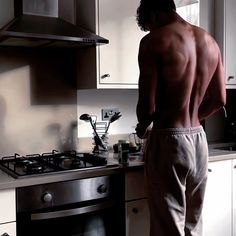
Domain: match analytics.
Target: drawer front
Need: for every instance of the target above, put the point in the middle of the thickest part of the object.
(137, 218)
(7, 205)
(8, 229)
(135, 185)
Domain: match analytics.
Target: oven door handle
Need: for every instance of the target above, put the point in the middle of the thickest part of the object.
(72, 212)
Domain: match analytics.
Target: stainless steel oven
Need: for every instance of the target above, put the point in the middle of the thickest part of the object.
(83, 207)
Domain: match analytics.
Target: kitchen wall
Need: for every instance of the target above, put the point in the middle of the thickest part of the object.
(38, 109)
(40, 105)
(92, 101)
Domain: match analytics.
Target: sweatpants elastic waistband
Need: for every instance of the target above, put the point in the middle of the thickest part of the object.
(179, 131)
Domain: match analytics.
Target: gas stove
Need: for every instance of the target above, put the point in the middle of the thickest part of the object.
(50, 163)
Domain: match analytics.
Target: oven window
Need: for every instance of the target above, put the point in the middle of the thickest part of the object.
(106, 222)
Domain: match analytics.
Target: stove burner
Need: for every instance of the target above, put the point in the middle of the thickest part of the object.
(67, 162)
(33, 168)
(23, 162)
(76, 163)
(53, 162)
(61, 159)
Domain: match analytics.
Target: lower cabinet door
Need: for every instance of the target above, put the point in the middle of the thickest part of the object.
(234, 197)
(217, 209)
(7, 206)
(8, 229)
(137, 218)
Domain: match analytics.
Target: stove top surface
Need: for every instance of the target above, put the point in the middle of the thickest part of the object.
(48, 163)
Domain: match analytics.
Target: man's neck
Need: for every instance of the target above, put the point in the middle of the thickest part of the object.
(163, 18)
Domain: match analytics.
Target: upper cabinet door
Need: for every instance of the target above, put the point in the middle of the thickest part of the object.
(119, 59)
(225, 33)
(114, 65)
(230, 38)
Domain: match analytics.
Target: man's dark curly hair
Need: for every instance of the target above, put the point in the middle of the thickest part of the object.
(148, 6)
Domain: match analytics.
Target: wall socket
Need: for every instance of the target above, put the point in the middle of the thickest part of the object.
(107, 113)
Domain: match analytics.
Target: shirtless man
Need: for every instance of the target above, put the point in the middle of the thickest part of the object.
(181, 83)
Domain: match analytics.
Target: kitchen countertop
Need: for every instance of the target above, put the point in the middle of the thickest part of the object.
(113, 167)
(7, 181)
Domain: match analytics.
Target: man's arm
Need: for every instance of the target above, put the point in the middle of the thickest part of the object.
(147, 86)
(215, 97)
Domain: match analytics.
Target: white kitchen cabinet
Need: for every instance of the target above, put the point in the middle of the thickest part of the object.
(137, 211)
(137, 218)
(7, 205)
(114, 65)
(234, 197)
(225, 34)
(8, 229)
(7, 212)
(217, 210)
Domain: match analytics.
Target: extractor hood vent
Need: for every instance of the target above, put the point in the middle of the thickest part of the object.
(34, 30)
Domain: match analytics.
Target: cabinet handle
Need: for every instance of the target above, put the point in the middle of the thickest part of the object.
(105, 76)
(230, 77)
(5, 234)
(209, 170)
(135, 210)
(235, 167)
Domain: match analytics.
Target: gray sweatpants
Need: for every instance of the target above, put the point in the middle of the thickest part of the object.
(176, 170)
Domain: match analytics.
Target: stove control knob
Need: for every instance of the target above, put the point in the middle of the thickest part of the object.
(102, 188)
(47, 197)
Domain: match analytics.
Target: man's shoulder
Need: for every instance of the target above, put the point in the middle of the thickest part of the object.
(201, 33)
(154, 41)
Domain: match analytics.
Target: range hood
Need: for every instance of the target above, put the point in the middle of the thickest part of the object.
(36, 24)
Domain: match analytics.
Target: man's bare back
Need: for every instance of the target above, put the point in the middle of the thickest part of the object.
(180, 72)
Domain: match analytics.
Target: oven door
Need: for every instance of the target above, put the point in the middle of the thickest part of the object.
(104, 218)
(83, 207)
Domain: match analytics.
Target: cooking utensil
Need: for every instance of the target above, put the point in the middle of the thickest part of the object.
(113, 118)
(97, 139)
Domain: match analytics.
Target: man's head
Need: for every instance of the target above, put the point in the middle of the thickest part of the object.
(148, 8)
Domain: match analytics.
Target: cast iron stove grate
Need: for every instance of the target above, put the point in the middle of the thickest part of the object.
(49, 163)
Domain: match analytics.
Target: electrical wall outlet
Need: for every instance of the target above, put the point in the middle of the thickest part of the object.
(107, 113)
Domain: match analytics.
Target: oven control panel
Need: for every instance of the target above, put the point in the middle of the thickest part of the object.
(62, 193)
